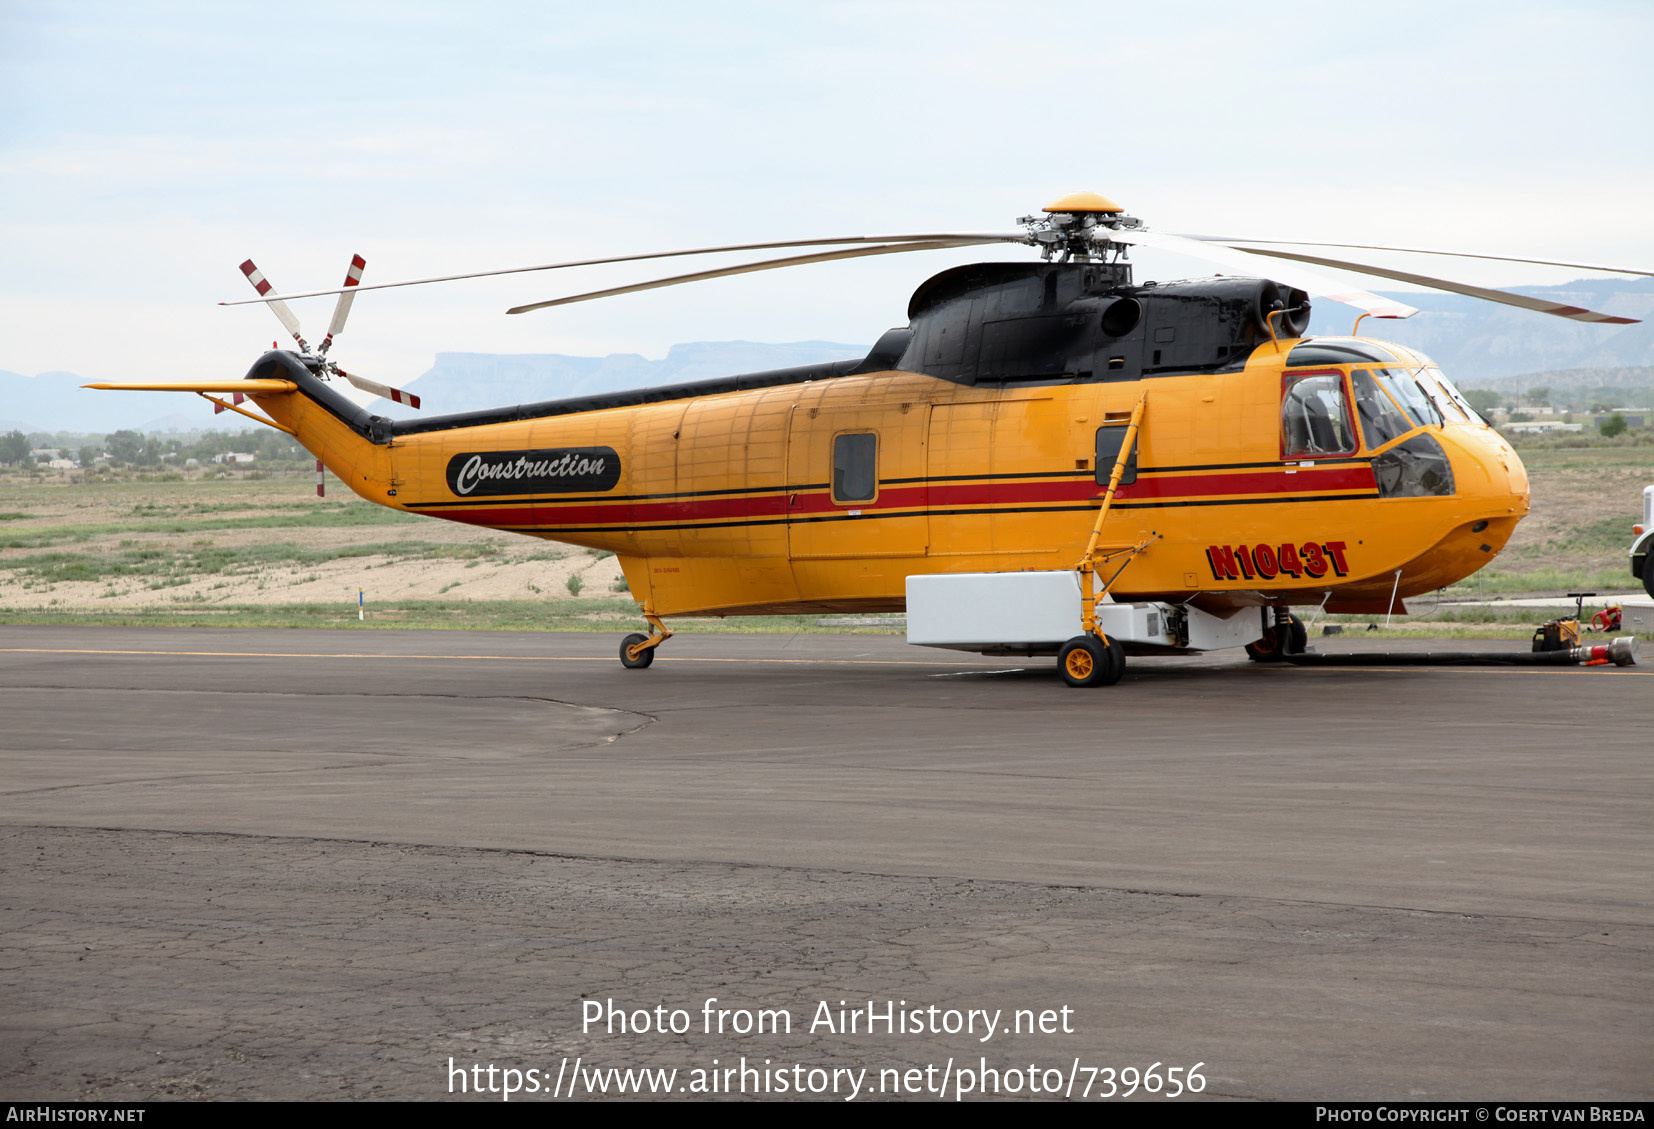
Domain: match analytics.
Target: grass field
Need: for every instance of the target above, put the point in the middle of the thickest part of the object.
(266, 552)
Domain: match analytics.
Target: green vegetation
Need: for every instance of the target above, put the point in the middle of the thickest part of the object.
(609, 616)
(164, 566)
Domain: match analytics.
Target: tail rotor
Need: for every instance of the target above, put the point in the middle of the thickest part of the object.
(319, 363)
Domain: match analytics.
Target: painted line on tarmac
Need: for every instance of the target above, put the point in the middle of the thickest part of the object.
(483, 658)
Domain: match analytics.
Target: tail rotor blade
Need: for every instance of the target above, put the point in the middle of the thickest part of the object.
(341, 311)
(277, 306)
(394, 395)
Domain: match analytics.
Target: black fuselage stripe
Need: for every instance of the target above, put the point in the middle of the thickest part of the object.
(765, 491)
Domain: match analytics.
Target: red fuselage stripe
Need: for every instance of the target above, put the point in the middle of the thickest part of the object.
(1012, 492)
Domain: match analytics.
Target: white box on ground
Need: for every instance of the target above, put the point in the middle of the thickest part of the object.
(1037, 612)
(946, 609)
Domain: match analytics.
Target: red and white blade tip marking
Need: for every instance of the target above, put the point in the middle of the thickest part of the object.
(256, 277)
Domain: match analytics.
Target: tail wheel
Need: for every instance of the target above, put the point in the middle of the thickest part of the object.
(1083, 661)
(643, 659)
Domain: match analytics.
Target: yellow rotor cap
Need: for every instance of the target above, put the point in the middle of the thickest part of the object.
(1083, 202)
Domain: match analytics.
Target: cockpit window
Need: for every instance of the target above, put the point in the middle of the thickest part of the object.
(1406, 392)
(1381, 420)
(1315, 417)
(1445, 404)
(1434, 375)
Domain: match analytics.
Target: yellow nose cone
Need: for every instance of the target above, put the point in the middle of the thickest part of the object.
(1083, 202)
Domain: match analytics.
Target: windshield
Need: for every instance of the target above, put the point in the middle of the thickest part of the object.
(1406, 391)
(1434, 376)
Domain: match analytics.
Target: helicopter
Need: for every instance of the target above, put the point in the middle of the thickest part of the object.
(1048, 459)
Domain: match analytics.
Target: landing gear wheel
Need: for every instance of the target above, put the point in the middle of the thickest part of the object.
(1648, 573)
(1297, 637)
(643, 660)
(1276, 644)
(1083, 661)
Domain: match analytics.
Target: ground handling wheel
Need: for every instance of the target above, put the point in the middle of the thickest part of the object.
(642, 660)
(1276, 644)
(1083, 661)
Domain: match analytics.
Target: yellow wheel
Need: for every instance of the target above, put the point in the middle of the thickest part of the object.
(642, 660)
(1079, 665)
(1083, 661)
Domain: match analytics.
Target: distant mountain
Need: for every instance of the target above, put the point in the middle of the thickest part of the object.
(463, 382)
(458, 382)
(1477, 342)
(1638, 377)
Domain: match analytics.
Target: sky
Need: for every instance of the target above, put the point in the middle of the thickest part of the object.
(147, 148)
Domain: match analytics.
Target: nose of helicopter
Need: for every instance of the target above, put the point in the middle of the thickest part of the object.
(1489, 470)
(1491, 492)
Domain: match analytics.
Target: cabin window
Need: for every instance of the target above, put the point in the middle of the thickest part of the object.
(1109, 442)
(855, 467)
(1315, 417)
(1381, 420)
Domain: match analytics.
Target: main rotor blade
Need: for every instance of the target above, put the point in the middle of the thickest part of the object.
(353, 279)
(766, 264)
(1504, 297)
(1242, 244)
(1317, 284)
(971, 236)
(277, 306)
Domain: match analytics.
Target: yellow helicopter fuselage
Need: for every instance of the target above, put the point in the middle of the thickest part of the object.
(775, 500)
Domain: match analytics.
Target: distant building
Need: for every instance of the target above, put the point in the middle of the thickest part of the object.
(1539, 426)
(234, 457)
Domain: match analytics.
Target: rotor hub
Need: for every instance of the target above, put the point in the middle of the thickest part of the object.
(1075, 227)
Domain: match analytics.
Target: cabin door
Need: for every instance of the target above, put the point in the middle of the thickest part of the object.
(856, 484)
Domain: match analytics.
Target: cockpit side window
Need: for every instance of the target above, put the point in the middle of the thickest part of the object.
(1110, 438)
(1315, 417)
(1381, 420)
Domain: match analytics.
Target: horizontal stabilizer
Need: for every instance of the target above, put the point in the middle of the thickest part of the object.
(222, 387)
